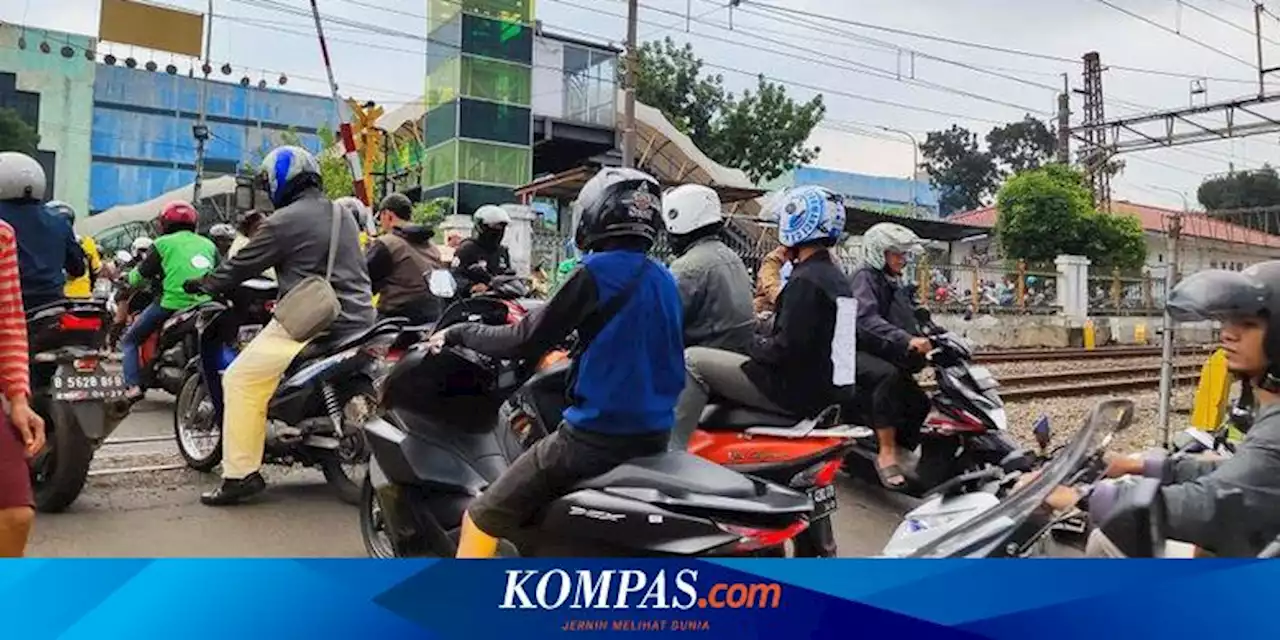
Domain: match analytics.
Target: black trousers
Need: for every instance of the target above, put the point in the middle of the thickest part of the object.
(549, 469)
(888, 396)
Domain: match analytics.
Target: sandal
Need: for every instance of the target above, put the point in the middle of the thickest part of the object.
(889, 472)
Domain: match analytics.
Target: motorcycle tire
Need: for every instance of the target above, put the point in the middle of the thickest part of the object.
(193, 392)
(349, 490)
(376, 544)
(818, 541)
(66, 467)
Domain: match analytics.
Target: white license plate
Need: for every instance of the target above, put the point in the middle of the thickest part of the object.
(69, 384)
(824, 501)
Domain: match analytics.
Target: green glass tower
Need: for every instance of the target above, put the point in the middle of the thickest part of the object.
(479, 124)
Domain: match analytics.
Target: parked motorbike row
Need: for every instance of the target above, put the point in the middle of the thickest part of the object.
(412, 436)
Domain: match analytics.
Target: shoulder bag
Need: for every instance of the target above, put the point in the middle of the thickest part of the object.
(311, 306)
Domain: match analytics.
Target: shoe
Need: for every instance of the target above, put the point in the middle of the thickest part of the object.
(235, 491)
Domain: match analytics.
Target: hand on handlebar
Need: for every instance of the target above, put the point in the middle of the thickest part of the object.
(479, 287)
(1061, 498)
(921, 345)
(193, 286)
(436, 343)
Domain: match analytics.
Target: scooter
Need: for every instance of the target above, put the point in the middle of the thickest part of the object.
(164, 355)
(439, 444)
(80, 402)
(966, 429)
(317, 415)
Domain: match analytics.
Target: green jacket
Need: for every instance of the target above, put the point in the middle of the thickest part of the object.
(176, 258)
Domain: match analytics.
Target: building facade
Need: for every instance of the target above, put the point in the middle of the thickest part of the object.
(895, 196)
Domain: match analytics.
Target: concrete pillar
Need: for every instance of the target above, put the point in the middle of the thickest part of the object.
(1073, 287)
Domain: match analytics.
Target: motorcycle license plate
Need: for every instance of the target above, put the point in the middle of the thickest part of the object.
(72, 385)
(824, 501)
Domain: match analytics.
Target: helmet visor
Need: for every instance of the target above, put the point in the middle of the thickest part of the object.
(1216, 294)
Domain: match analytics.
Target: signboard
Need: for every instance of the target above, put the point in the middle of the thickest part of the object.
(152, 27)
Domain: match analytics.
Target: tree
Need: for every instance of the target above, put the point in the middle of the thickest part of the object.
(963, 174)
(1241, 190)
(761, 132)
(1022, 145)
(333, 167)
(432, 212)
(17, 135)
(1049, 211)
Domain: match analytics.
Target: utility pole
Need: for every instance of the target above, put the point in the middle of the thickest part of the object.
(1064, 122)
(915, 164)
(1096, 153)
(1166, 333)
(1257, 26)
(629, 106)
(201, 128)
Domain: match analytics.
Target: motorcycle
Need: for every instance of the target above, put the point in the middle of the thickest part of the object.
(164, 355)
(317, 415)
(80, 402)
(439, 444)
(966, 429)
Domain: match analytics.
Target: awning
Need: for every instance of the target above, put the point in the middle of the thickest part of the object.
(857, 221)
(147, 211)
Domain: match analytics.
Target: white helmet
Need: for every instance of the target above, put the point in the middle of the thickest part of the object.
(357, 211)
(888, 236)
(142, 243)
(690, 207)
(491, 215)
(21, 177)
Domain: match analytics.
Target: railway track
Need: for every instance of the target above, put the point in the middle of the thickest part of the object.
(1086, 382)
(1025, 355)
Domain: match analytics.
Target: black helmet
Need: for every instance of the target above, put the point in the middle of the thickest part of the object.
(1218, 294)
(618, 203)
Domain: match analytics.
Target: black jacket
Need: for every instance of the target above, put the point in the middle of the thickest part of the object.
(793, 364)
(475, 263)
(886, 320)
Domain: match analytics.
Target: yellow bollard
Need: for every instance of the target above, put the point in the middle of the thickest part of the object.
(1212, 393)
(1140, 333)
(1090, 336)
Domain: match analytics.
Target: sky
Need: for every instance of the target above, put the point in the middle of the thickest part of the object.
(874, 76)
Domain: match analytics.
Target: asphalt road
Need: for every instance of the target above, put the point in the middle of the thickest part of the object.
(140, 513)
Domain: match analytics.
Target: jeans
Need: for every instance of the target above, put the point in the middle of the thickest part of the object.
(148, 322)
(713, 372)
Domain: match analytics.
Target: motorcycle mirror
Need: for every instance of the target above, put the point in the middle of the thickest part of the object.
(442, 284)
(1043, 432)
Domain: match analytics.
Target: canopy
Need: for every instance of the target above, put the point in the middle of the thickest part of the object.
(125, 214)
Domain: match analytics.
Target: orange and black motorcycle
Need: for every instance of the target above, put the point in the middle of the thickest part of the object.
(803, 454)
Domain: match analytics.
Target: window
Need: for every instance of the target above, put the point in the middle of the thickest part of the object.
(496, 39)
(590, 85)
(442, 123)
(440, 165)
(442, 83)
(494, 164)
(498, 122)
(497, 81)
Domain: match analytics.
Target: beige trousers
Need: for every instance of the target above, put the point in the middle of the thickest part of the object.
(247, 387)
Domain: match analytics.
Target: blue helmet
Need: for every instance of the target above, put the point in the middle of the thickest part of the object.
(285, 172)
(808, 215)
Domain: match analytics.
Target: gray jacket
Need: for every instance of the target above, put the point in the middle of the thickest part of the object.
(716, 291)
(1194, 490)
(295, 242)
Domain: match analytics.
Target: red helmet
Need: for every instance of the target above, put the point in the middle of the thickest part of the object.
(177, 212)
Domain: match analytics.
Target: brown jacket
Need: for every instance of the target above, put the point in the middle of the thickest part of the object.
(769, 279)
(397, 262)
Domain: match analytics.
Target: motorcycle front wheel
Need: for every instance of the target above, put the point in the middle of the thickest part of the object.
(373, 529)
(195, 427)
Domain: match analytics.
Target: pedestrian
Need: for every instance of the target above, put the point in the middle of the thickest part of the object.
(21, 431)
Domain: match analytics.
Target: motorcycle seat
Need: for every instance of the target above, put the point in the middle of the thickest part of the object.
(324, 346)
(729, 417)
(674, 473)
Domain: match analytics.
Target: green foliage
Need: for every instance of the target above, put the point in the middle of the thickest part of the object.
(16, 135)
(963, 174)
(1049, 211)
(761, 132)
(432, 212)
(334, 172)
(1022, 145)
(1240, 190)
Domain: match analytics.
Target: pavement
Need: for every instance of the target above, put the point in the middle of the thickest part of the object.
(133, 506)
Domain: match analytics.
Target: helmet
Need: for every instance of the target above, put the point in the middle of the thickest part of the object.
(491, 216)
(808, 215)
(285, 172)
(21, 177)
(222, 231)
(617, 203)
(888, 236)
(62, 210)
(358, 211)
(177, 213)
(1218, 294)
(690, 207)
(141, 244)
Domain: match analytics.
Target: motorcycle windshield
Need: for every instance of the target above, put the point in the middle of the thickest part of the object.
(978, 537)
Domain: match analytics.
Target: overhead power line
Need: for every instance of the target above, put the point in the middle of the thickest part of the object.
(1222, 20)
(1138, 16)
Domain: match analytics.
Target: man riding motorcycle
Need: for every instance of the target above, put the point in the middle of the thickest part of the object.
(626, 309)
(294, 241)
(81, 286)
(180, 254)
(798, 368)
(714, 285)
(47, 245)
(479, 260)
(398, 259)
(360, 214)
(890, 349)
(223, 236)
(1196, 489)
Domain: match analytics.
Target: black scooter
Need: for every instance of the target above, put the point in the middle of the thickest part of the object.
(81, 402)
(439, 445)
(317, 415)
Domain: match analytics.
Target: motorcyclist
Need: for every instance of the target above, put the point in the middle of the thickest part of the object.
(398, 258)
(178, 255)
(890, 348)
(246, 227)
(799, 367)
(626, 309)
(1195, 489)
(80, 286)
(133, 299)
(714, 285)
(360, 213)
(294, 241)
(480, 259)
(47, 246)
(223, 236)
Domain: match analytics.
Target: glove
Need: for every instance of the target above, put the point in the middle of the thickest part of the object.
(192, 286)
